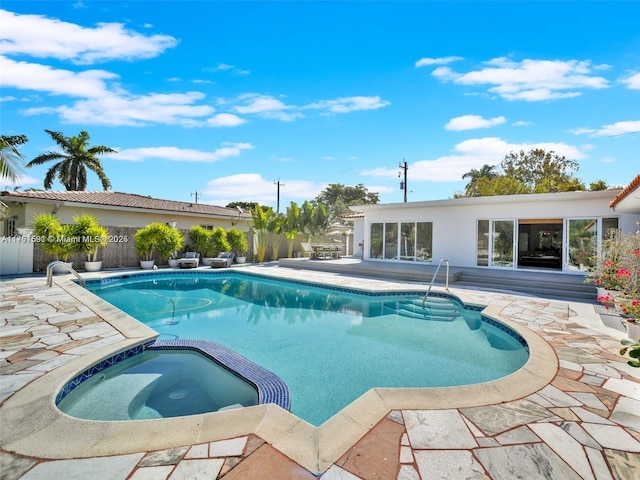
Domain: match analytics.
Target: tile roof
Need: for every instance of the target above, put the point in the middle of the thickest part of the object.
(634, 185)
(119, 199)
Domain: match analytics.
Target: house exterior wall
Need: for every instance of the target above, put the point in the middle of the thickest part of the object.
(109, 217)
(455, 221)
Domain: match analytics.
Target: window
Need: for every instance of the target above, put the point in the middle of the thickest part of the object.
(503, 241)
(495, 241)
(583, 243)
(409, 241)
(377, 235)
(390, 241)
(482, 253)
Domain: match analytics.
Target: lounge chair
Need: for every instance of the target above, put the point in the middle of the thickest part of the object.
(224, 259)
(307, 251)
(189, 260)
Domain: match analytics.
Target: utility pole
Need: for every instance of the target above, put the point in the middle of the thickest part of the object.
(403, 183)
(279, 184)
(196, 195)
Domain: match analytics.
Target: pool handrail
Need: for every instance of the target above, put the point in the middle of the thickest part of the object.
(433, 279)
(68, 267)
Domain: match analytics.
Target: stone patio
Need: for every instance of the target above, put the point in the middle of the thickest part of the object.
(582, 424)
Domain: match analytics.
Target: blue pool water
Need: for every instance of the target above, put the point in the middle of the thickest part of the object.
(329, 346)
(158, 384)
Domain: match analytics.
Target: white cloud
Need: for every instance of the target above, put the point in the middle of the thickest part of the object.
(175, 154)
(225, 120)
(42, 37)
(349, 104)
(425, 62)
(471, 122)
(633, 81)
(21, 181)
(615, 129)
(33, 76)
(265, 106)
(125, 109)
(252, 187)
(529, 80)
(521, 123)
(473, 153)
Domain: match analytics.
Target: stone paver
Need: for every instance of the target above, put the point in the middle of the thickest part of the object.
(585, 424)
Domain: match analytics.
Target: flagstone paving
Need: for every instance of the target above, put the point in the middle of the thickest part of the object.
(584, 424)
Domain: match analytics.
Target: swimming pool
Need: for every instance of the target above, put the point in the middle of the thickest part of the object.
(329, 345)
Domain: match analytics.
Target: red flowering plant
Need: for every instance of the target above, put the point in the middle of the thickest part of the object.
(618, 269)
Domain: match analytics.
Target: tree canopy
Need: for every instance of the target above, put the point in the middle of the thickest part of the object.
(535, 171)
(74, 160)
(337, 198)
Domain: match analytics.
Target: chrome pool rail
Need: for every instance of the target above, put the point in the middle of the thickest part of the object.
(433, 279)
(68, 267)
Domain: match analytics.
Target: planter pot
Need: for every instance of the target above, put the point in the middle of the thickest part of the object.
(173, 263)
(92, 266)
(146, 264)
(206, 261)
(241, 259)
(61, 268)
(633, 331)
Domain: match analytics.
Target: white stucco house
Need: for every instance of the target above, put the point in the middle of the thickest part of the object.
(554, 231)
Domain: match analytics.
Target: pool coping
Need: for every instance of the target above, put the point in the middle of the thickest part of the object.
(31, 420)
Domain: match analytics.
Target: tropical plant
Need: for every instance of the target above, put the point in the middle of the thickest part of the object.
(276, 228)
(291, 226)
(486, 171)
(261, 218)
(237, 241)
(91, 235)
(314, 220)
(157, 237)
(337, 198)
(633, 347)
(58, 240)
(219, 242)
(10, 163)
(200, 240)
(10, 156)
(72, 163)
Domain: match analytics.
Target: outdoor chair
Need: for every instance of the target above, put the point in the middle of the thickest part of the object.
(307, 251)
(224, 259)
(189, 260)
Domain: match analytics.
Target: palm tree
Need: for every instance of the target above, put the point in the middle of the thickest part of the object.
(486, 171)
(10, 156)
(10, 163)
(71, 166)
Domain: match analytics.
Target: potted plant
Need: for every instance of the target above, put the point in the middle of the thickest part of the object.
(218, 241)
(171, 241)
(156, 238)
(200, 241)
(91, 236)
(238, 244)
(56, 239)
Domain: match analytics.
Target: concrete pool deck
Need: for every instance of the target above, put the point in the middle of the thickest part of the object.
(572, 412)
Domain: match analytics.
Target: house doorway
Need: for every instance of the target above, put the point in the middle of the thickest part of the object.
(540, 243)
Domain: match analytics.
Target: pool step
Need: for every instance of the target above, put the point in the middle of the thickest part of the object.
(438, 309)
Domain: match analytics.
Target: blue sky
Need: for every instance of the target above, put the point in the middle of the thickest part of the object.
(225, 98)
